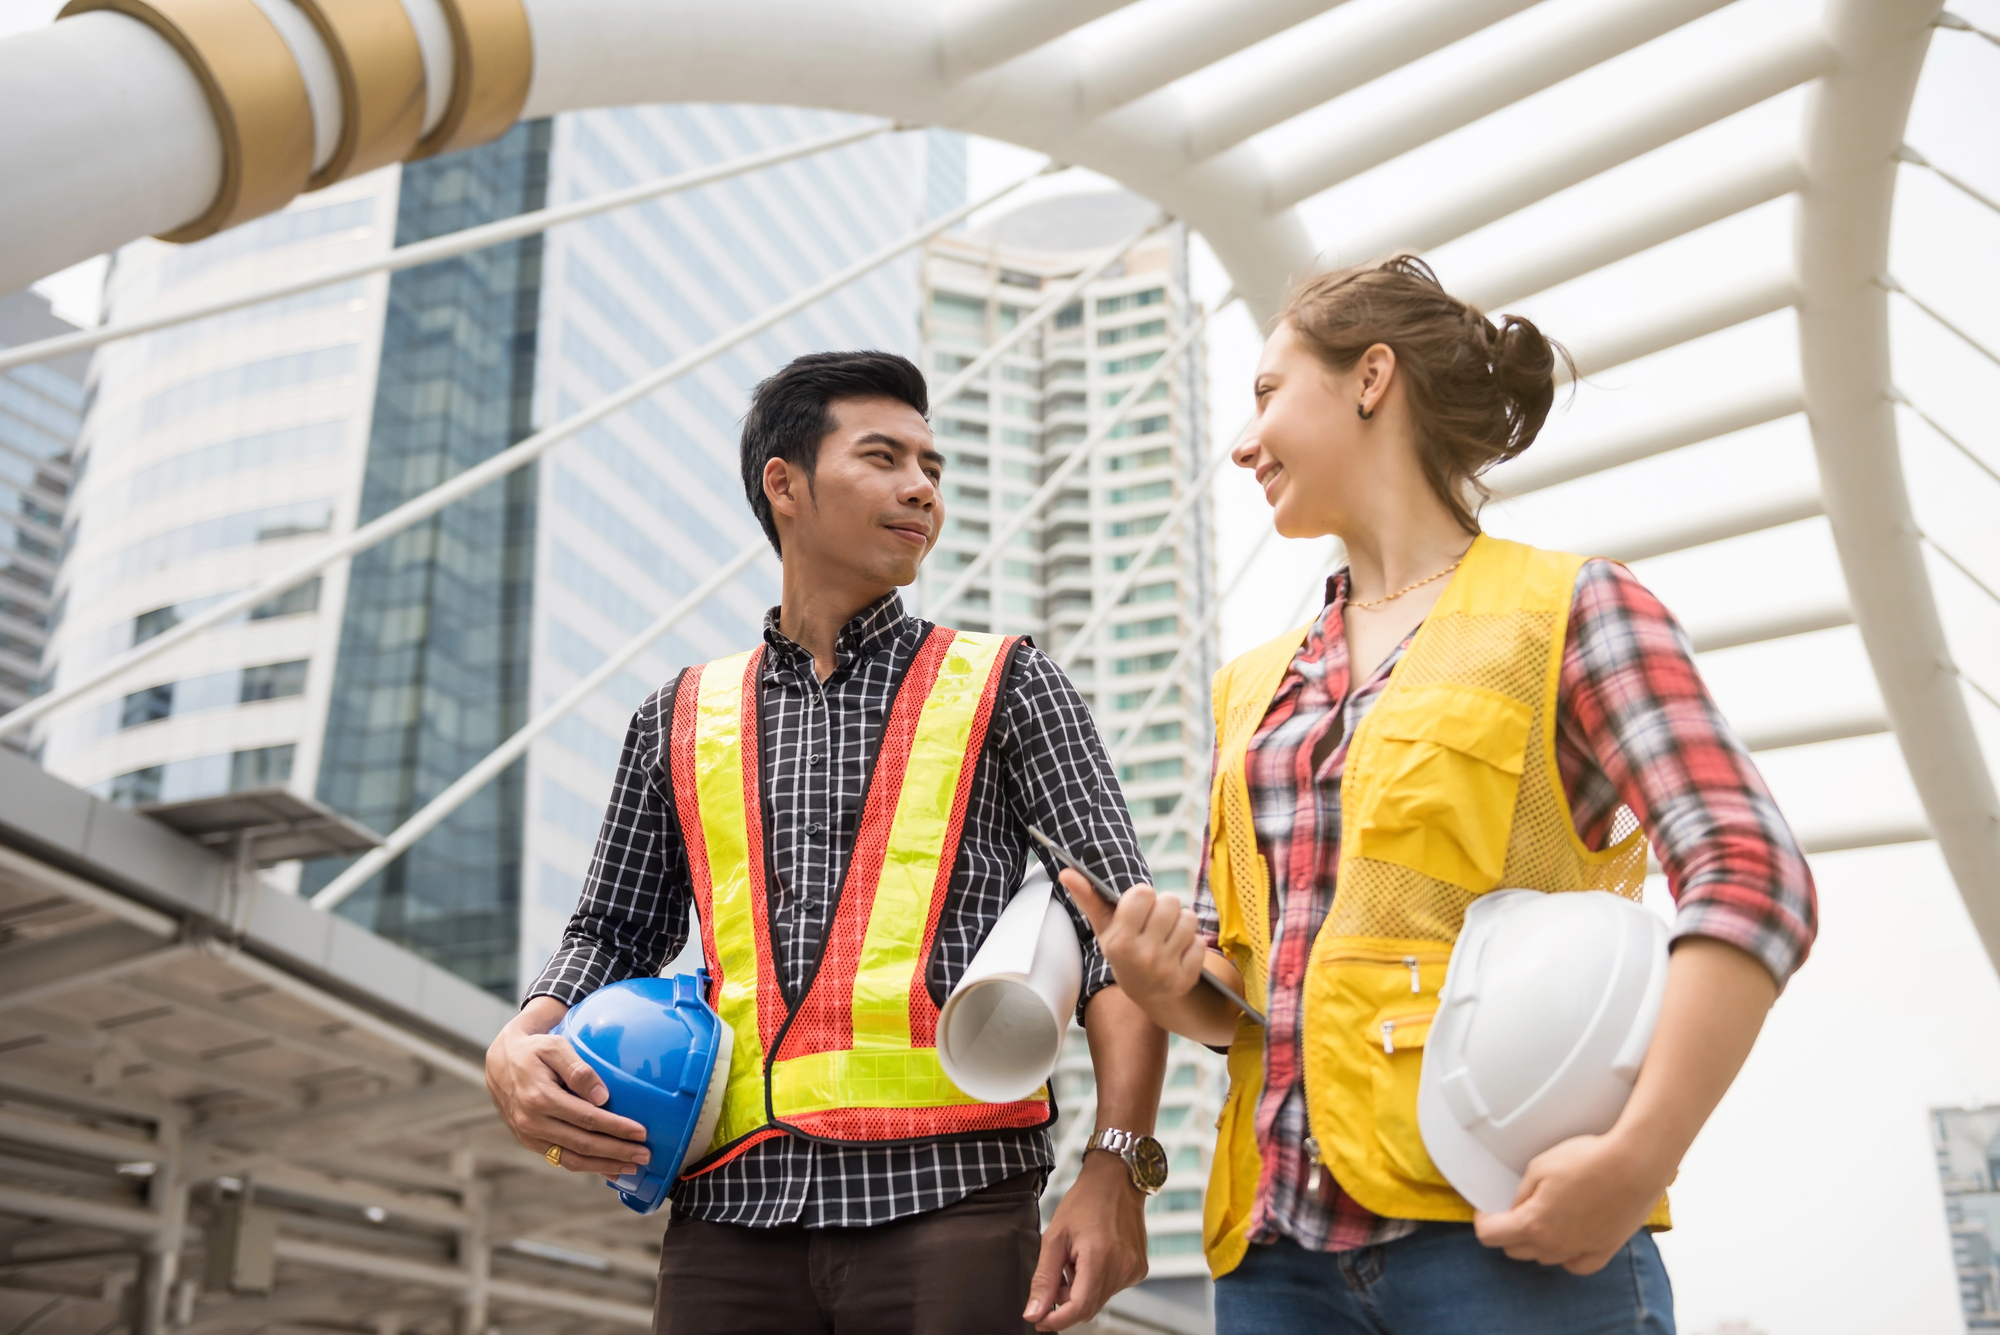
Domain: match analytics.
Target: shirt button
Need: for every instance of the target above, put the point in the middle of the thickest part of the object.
(815, 760)
(814, 827)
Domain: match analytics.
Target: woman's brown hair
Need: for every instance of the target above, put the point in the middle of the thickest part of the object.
(1478, 392)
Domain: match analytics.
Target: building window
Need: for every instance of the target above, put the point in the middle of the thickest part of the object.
(1127, 365)
(1143, 630)
(1152, 296)
(1129, 332)
(1151, 771)
(1132, 528)
(203, 776)
(1147, 491)
(950, 308)
(1145, 426)
(1070, 316)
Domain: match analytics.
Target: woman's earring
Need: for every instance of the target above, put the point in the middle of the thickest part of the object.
(1363, 413)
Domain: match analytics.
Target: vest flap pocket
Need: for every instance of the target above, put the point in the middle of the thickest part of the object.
(1433, 787)
(1477, 723)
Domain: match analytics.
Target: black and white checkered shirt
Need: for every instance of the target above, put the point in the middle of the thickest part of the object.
(1044, 764)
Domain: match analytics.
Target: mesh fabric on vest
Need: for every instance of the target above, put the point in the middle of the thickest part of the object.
(1382, 899)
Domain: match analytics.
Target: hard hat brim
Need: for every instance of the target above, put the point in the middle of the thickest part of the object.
(711, 1103)
(1473, 1171)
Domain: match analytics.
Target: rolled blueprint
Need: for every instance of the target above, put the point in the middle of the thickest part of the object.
(1002, 1027)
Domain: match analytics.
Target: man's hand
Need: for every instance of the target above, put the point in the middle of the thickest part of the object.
(549, 1096)
(1579, 1202)
(1094, 1247)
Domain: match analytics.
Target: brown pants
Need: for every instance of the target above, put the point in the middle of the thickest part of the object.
(962, 1270)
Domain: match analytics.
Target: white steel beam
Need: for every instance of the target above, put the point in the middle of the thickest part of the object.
(1519, 70)
(1854, 127)
(381, 1265)
(1713, 525)
(1878, 834)
(1682, 323)
(1314, 70)
(1834, 727)
(1177, 41)
(72, 1138)
(1535, 470)
(974, 35)
(1793, 619)
(490, 470)
(437, 248)
(1652, 223)
(1723, 89)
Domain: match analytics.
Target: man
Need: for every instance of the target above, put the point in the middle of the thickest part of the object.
(834, 1206)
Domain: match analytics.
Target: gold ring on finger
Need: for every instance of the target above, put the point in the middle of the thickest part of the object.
(554, 1155)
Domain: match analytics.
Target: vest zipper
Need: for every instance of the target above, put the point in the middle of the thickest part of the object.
(1389, 1037)
(1416, 980)
(1312, 1178)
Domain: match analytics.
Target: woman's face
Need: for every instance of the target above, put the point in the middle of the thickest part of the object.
(1305, 439)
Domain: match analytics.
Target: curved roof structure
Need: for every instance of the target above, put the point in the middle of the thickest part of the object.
(1503, 138)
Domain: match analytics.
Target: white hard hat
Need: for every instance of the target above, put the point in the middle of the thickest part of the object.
(1548, 1005)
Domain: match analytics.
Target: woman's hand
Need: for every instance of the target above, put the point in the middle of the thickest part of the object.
(1153, 945)
(1156, 952)
(1582, 1200)
(1579, 1202)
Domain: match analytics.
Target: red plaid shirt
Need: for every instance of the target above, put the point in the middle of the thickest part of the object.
(1636, 729)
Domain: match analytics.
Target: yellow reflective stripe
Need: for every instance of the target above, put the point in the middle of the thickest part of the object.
(868, 1078)
(718, 767)
(901, 911)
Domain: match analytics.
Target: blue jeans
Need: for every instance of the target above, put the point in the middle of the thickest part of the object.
(1440, 1281)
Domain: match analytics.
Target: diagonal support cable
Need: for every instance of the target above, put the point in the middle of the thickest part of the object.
(452, 798)
(1954, 23)
(449, 246)
(1043, 313)
(1897, 396)
(1197, 489)
(472, 479)
(1077, 459)
(1888, 283)
(1194, 636)
(1916, 159)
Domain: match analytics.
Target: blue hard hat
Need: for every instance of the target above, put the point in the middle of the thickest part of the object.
(663, 1054)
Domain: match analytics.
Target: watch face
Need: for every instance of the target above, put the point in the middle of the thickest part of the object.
(1148, 1162)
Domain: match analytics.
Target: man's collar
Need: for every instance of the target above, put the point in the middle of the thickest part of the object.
(867, 631)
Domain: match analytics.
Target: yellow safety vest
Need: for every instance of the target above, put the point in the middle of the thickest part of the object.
(856, 1060)
(1450, 790)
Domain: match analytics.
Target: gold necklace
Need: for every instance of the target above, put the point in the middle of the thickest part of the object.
(1428, 579)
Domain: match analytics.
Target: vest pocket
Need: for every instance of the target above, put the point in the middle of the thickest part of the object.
(1396, 1039)
(1438, 781)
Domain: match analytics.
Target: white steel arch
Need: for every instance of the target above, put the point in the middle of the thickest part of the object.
(124, 139)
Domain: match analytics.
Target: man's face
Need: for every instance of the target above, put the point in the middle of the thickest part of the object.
(871, 511)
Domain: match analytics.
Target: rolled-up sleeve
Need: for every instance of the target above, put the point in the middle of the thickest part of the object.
(1637, 724)
(1059, 779)
(633, 914)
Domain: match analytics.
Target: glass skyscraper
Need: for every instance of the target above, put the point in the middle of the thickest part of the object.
(219, 449)
(41, 407)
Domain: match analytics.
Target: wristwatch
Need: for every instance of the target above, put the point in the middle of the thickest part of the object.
(1144, 1159)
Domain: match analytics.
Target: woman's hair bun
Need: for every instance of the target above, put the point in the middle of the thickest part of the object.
(1478, 392)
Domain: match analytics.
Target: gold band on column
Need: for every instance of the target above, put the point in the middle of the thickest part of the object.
(493, 57)
(381, 68)
(255, 92)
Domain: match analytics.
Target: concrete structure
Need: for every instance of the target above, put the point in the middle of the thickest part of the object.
(40, 410)
(221, 445)
(222, 1113)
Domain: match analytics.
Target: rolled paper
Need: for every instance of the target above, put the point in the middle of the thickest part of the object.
(1001, 1029)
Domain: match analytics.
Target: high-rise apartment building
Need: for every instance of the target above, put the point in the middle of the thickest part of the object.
(1004, 435)
(220, 449)
(1007, 433)
(41, 407)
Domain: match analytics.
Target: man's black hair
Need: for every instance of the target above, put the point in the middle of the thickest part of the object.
(792, 411)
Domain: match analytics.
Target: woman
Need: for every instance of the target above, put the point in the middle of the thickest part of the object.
(1560, 693)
